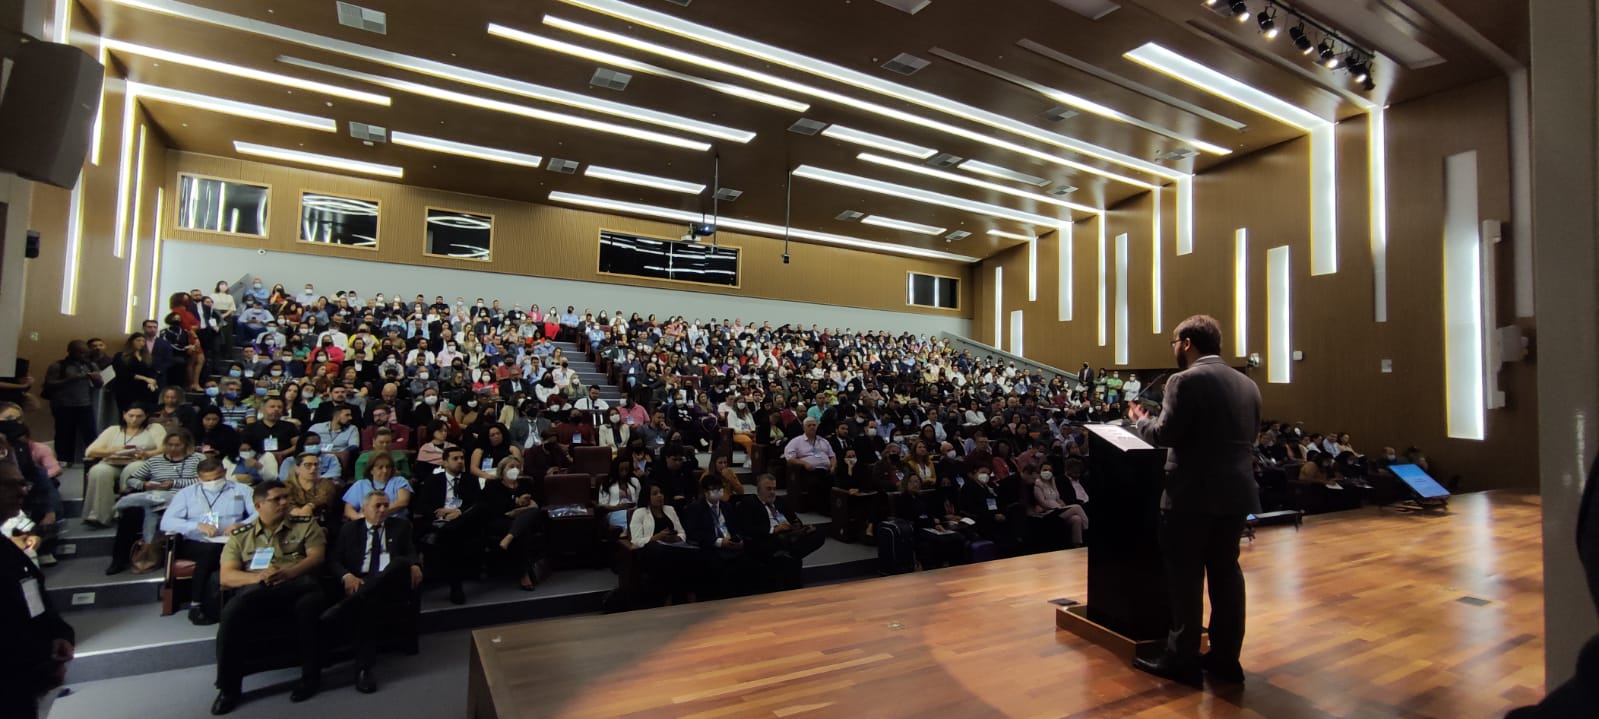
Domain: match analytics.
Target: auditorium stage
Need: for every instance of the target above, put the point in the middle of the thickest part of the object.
(1367, 613)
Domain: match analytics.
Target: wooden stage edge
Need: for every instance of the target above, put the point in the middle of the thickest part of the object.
(1367, 613)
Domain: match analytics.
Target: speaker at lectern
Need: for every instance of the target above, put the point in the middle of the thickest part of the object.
(1127, 599)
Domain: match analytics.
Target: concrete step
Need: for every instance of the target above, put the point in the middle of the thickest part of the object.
(82, 584)
(80, 542)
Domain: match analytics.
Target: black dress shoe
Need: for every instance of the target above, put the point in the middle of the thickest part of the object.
(1167, 666)
(457, 595)
(224, 703)
(199, 618)
(116, 568)
(365, 682)
(1222, 671)
(303, 691)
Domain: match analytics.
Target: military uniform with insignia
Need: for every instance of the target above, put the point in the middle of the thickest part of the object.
(256, 614)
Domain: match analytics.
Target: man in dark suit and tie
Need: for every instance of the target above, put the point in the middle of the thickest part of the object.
(721, 547)
(776, 536)
(1207, 423)
(375, 561)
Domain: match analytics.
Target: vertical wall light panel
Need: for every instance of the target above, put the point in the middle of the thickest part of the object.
(1279, 317)
(1323, 200)
(1463, 326)
(999, 305)
(1103, 294)
(1377, 167)
(74, 250)
(1241, 292)
(1121, 299)
(1185, 215)
(1063, 272)
(1154, 266)
(1032, 270)
(1016, 333)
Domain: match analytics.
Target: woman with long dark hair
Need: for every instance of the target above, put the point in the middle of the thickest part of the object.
(136, 376)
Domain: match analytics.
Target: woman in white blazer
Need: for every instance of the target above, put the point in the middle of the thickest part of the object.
(614, 434)
(657, 536)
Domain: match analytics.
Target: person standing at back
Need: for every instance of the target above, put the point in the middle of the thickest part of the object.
(1207, 421)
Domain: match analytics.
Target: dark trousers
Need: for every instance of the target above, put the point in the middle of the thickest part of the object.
(1197, 546)
(257, 620)
(529, 530)
(381, 597)
(783, 557)
(460, 546)
(74, 430)
(207, 558)
(809, 489)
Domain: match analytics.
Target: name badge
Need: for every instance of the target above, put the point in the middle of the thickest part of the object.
(993, 505)
(577, 439)
(30, 592)
(488, 464)
(262, 559)
(270, 444)
(213, 519)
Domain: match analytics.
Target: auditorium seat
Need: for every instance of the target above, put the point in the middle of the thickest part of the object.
(593, 461)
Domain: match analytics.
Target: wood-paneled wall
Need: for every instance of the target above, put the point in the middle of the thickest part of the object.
(1339, 385)
(548, 241)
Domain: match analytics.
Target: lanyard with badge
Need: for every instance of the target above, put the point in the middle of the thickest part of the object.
(212, 517)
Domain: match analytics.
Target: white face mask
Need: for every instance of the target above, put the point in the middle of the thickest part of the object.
(246, 454)
(430, 400)
(1046, 474)
(982, 478)
(512, 473)
(615, 418)
(849, 461)
(214, 484)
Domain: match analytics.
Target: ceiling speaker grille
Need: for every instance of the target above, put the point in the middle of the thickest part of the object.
(807, 126)
(905, 64)
(360, 18)
(1091, 9)
(728, 194)
(1058, 113)
(368, 133)
(1181, 154)
(907, 6)
(610, 79)
(1063, 190)
(957, 235)
(944, 159)
(849, 216)
(565, 167)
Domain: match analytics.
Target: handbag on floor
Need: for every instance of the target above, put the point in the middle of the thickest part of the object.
(147, 556)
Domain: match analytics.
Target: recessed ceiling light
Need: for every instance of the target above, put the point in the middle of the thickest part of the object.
(711, 36)
(643, 180)
(1158, 58)
(232, 107)
(878, 142)
(974, 182)
(244, 72)
(901, 225)
(1004, 173)
(759, 228)
(843, 179)
(677, 54)
(451, 147)
(505, 107)
(646, 68)
(1011, 235)
(311, 158)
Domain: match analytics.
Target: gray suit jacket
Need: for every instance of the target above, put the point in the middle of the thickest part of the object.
(1208, 422)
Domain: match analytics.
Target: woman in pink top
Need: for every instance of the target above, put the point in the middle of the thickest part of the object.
(1070, 509)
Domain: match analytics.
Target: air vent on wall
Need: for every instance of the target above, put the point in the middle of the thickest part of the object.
(565, 167)
(728, 194)
(1058, 113)
(610, 79)
(957, 235)
(360, 18)
(944, 159)
(1181, 154)
(909, 6)
(368, 133)
(905, 64)
(1091, 9)
(807, 126)
(1063, 190)
(849, 216)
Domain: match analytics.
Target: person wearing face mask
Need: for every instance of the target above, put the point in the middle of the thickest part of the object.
(516, 519)
(726, 566)
(614, 434)
(982, 502)
(205, 513)
(577, 430)
(1063, 513)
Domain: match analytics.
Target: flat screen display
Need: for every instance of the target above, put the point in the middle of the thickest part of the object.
(1418, 480)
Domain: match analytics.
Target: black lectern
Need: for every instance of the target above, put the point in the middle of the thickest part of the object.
(1128, 605)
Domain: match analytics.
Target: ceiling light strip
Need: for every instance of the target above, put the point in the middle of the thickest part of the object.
(844, 179)
(1129, 84)
(1158, 58)
(1011, 235)
(451, 147)
(1080, 103)
(643, 180)
(246, 72)
(462, 98)
(758, 228)
(830, 96)
(901, 225)
(878, 142)
(1003, 173)
(625, 63)
(311, 158)
(231, 107)
(716, 38)
(442, 70)
(974, 182)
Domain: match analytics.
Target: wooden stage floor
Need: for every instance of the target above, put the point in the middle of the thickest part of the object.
(1368, 613)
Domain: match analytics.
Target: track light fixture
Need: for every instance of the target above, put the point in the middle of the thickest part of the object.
(1268, 23)
(1240, 11)
(1329, 58)
(1327, 48)
(1301, 40)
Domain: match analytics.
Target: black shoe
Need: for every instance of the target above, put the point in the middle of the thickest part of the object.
(224, 703)
(1167, 666)
(199, 618)
(365, 683)
(1222, 671)
(117, 567)
(457, 595)
(303, 691)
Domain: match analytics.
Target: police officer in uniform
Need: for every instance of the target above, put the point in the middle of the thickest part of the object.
(272, 561)
(38, 644)
(206, 513)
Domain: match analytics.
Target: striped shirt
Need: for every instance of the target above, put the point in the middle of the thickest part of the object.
(235, 416)
(159, 468)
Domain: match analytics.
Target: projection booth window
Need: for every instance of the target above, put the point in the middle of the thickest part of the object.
(334, 220)
(212, 205)
(672, 261)
(459, 235)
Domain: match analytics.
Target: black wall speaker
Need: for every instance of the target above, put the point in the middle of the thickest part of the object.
(47, 114)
